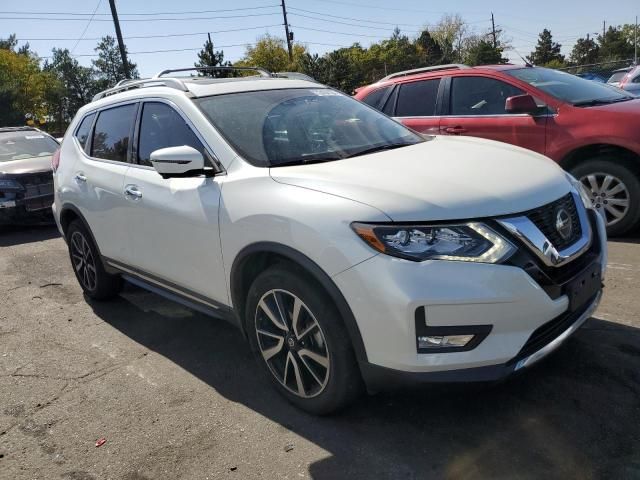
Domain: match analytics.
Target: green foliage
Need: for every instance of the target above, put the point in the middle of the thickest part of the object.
(109, 67)
(585, 51)
(208, 57)
(546, 50)
(616, 44)
(483, 52)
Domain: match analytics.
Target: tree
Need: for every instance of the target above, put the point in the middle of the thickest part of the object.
(584, 52)
(9, 43)
(450, 33)
(428, 49)
(22, 89)
(546, 50)
(482, 52)
(207, 57)
(614, 45)
(76, 86)
(109, 66)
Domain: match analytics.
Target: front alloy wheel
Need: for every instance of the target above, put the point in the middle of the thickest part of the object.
(292, 343)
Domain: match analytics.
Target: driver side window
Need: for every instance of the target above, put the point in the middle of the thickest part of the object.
(161, 127)
(480, 96)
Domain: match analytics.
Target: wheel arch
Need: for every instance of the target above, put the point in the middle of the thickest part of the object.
(69, 213)
(256, 257)
(577, 155)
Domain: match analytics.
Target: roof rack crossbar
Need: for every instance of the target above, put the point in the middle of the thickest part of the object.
(261, 71)
(123, 85)
(424, 69)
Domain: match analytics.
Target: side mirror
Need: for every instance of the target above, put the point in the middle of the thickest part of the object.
(177, 161)
(521, 104)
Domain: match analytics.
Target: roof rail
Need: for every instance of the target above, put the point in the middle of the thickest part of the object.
(424, 69)
(261, 71)
(124, 85)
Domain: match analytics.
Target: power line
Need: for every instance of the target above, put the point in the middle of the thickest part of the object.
(190, 34)
(166, 51)
(340, 33)
(193, 12)
(356, 19)
(86, 26)
(49, 19)
(349, 24)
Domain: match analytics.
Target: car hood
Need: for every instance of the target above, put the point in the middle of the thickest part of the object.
(26, 165)
(443, 179)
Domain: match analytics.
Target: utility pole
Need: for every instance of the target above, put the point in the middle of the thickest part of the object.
(493, 32)
(635, 43)
(604, 26)
(123, 53)
(286, 30)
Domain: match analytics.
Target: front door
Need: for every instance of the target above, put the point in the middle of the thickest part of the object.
(476, 107)
(173, 222)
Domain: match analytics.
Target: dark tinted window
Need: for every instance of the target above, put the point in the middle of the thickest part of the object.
(82, 133)
(480, 95)
(390, 104)
(418, 99)
(111, 135)
(163, 127)
(376, 97)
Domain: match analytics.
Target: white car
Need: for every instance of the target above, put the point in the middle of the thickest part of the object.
(349, 250)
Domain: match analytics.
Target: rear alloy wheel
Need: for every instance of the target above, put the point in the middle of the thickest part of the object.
(614, 190)
(299, 338)
(85, 259)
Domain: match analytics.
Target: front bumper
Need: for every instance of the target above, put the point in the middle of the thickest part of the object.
(19, 211)
(528, 317)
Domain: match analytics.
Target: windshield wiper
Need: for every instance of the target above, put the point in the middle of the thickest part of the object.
(309, 159)
(378, 148)
(601, 101)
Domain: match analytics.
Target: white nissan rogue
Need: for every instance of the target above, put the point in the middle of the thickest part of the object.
(350, 251)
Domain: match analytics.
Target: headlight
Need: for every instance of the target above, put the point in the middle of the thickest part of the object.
(469, 242)
(9, 184)
(582, 190)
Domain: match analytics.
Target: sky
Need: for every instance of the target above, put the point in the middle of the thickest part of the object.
(322, 25)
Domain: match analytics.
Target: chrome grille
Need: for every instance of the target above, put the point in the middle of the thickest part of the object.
(545, 219)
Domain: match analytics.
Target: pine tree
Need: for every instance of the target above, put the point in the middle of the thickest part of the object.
(207, 57)
(546, 50)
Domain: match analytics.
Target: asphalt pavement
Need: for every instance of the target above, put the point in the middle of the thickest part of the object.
(168, 393)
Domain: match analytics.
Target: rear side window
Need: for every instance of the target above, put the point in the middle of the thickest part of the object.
(376, 97)
(112, 132)
(418, 99)
(161, 127)
(83, 131)
(480, 96)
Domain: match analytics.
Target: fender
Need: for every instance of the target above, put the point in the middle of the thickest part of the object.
(312, 268)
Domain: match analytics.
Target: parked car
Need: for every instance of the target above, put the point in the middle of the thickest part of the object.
(590, 129)
(348, 249)
(594, 77)
(618, 75)
(26, 181)
(631, 81)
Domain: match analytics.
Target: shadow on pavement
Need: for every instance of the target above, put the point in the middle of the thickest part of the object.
(17, 235)
(575, 415)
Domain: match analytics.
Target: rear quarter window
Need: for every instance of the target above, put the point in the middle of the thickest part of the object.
(377, 97)
(84, 129)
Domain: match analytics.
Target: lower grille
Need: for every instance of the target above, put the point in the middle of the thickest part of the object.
(545, 219)
(548, 332)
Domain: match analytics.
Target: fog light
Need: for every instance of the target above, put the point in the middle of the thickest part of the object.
(444, 341)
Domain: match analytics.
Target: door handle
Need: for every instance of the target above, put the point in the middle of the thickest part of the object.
(132, 192)
(457, 130)
(80, 177)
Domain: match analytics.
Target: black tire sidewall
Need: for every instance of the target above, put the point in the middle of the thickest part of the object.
(107, 286)
(344, 384)
(609, 164)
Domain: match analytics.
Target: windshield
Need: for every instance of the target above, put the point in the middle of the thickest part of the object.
(616, 77)
(569, 88)
(292, 126)
(25, 144)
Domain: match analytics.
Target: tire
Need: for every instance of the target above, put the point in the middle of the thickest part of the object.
(312, 365)
(625, 184)
(85, 260)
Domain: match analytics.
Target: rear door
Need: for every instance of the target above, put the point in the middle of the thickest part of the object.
(173, 222)
(99, 176)
(475, 106)
(415, 104)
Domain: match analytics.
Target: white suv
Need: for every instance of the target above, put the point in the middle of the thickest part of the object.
(349, 250)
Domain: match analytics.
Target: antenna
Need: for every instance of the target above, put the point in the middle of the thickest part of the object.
(527, 63)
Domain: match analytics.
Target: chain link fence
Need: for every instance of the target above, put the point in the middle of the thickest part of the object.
(600, 71)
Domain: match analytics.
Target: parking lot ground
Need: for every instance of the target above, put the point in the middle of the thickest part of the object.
(178, 395)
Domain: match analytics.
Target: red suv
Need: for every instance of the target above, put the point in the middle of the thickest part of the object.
(589, 128)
